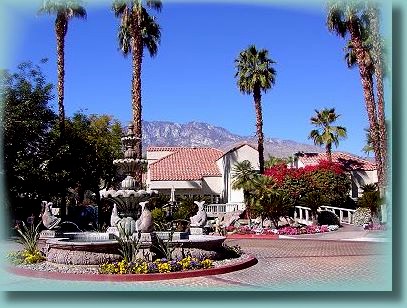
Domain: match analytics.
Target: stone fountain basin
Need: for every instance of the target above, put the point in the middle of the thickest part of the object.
(91, 248)
(84, 248)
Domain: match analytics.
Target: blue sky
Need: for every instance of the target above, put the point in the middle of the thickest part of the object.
(192, 76)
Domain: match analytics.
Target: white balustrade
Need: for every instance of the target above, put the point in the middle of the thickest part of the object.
(302, 214)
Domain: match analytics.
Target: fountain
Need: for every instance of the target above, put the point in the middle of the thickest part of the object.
(131, 217)
(128, 198)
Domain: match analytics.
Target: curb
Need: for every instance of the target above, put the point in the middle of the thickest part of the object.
(250, 261)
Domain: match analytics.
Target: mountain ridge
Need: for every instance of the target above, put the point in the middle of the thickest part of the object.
(201, 134)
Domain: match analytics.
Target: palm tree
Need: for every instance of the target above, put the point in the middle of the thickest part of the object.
(243, 176)
(377, 52)
(347, 17)
(64, 11)
(326, 134)
(137, 30)
(255, 74)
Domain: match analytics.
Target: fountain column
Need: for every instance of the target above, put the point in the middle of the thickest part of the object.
(130, 194)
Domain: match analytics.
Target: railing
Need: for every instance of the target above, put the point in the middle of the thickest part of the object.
(222, 208)
(302, 214)
(345, 215)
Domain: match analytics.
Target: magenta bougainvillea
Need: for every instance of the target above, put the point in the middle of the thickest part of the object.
(326, 177)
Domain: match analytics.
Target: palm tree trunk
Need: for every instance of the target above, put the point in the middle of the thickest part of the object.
(60, 30)
(378, 65)
(137, 57)
(60, 36)
(259, 127)
(329, 152)
(367, 84)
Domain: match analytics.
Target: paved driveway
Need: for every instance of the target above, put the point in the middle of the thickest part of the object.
(284, 264)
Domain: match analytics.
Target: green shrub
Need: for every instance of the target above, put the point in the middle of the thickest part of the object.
(328, 218)
(313, 200)
(370, 200)
(159, 218)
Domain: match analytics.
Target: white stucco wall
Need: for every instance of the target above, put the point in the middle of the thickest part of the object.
(153, 156)
(226, 164)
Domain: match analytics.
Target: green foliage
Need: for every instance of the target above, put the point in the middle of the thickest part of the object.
(328, 218)
(29, 236)
(25, 257)
(326, 134)
(129, 246)
(254, 70)
(27, 119)
(267, 201)
(370, 199)
(141, 266)
(231, 252)
(313, 200)
(159, 219)
(165, 247)
(272, 161)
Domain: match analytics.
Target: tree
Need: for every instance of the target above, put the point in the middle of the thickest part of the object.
(377, 52)
(243, 176)
(137, 30)
(64, 11)
(255, 74)
(326, 134)
(348, 17)
(267, 201)
(25, 122)
(272, 161)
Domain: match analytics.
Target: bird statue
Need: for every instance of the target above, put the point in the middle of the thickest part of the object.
(48, 219)
(114, 218)
(145, 221)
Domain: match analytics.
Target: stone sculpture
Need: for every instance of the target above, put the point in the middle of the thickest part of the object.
(145, 221)
(127, 226)
(114, 218)
(48, 219)
(199, 220)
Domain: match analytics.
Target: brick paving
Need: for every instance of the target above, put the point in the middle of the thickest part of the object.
(283, 264)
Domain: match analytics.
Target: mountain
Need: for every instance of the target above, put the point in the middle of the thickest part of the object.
(198, 134)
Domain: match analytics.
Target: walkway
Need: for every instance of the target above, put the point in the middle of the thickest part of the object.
(321, 262)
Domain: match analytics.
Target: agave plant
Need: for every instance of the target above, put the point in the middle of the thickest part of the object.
(29, 237)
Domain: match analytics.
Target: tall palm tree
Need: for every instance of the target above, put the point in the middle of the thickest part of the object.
(137, 30)
(326, 134)
(255, 74)
(64, 11)
(346, 17)
(377, 48)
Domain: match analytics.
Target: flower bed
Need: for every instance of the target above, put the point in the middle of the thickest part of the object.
(374, 227)
(285, 230)
(158, 266)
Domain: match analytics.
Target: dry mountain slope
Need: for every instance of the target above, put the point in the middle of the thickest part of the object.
(198, 134)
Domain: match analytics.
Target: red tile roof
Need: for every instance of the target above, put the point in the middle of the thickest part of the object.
(348, 161)
(163, 149)
(185, 164)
